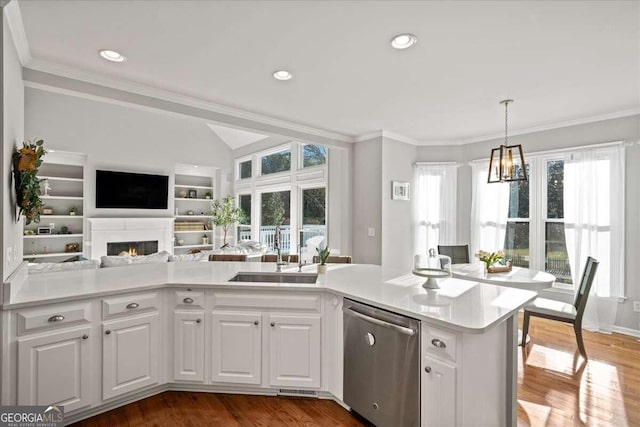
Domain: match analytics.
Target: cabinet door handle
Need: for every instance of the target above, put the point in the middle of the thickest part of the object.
(56, 318)
(198, 320)
(427, 369)
(438, 343)
(108, 331)
(273, 323)
(255, 322)
(85, 336)
(188, 300)
(133, 305)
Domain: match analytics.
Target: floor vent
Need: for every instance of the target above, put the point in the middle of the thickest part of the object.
(294, 392)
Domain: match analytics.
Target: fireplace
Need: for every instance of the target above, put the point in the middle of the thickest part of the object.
(132, 248)
(103, 232)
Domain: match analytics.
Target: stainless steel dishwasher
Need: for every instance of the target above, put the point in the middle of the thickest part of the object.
(381, 365)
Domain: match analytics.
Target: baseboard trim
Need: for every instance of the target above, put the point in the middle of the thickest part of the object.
(626, 331)
(82, 414)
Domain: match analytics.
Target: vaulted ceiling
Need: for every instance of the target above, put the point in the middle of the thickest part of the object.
(562, 61)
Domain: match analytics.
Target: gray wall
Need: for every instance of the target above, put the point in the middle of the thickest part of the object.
(12, 136)
(622, 129)
(397, 223)
(122, 137)
(367, 201)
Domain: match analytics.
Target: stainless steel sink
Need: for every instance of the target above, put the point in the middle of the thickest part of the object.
(275, 277)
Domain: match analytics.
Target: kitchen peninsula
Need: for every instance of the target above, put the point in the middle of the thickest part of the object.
(97, 339)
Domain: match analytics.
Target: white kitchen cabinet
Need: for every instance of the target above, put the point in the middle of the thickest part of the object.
(236, 347)
(130, 354)
(439, 390)
(55, 369)
(294, 350)
(188, 345)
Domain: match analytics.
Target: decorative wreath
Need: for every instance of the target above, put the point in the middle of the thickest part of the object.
(26, 161)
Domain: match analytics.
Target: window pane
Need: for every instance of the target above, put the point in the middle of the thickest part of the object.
(244, 227)
(276, 210)
(556, 260)
(276, 162)
(519, 197)
(555, 189)
(245, 169)
(313, 155)
(516, 243)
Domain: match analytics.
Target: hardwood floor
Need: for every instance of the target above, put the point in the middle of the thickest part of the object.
(556, 387)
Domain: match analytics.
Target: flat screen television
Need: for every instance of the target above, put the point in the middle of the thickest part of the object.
(125, 190)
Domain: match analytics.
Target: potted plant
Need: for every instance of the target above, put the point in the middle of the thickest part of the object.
(323, 254)
(225, 214)
(73, 211)
(207, 195)
(26, 162)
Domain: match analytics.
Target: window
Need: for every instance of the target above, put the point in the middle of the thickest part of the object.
(313, 155)
(314, 205)
(276, 211)
(244, 169)
(276, 162)
(516, 240)
(244, 227)
(556, 258)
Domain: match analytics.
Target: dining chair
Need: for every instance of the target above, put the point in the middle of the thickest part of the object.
(557, 310)
(459, 254)
(334, 259)
(227, 257)
(274, 258)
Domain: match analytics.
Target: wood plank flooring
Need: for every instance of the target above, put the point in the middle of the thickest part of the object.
(556, 387)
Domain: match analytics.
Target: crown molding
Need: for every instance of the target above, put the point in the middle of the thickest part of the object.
(556, 125)
(16, 27)
(140, 89)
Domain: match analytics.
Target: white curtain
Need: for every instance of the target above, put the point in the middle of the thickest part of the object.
(594, 226)
(489, 210)
(435, 197)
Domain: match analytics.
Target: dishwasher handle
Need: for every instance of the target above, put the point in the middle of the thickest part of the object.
(403, 330)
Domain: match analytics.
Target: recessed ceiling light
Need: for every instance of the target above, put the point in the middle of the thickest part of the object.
(112, 55)
(282, 75)
(403, 41)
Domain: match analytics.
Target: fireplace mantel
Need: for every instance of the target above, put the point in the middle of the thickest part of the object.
(104, 230)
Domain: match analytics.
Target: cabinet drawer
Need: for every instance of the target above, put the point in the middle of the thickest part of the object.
(130, 304)
(185, 300)
(440, 343)
(52, 317)
(277, 300)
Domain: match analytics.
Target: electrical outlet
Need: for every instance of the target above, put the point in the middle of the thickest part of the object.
(371, 232)
(636, 306)
(9, 255)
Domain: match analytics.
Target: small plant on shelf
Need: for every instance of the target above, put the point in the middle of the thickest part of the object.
(73, 211)
(207, 195)
(26, 162)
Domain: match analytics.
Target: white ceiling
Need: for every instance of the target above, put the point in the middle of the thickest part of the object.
(236, 138)
(560, 61)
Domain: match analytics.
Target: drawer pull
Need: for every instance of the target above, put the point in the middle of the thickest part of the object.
(427, 369)
(133, 305)
(255, 322)
(198, 320)
(273, 323)
(85, 336)
(438, 343)
(188, 300)
(56, 318)
(108, 331)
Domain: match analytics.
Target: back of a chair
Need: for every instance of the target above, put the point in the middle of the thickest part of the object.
(274, 258)
(227, 257)
(459, 254)
(582, 295)
(334, 259)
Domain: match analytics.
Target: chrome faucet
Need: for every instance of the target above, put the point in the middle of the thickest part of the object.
(299, 257)
(279, 261)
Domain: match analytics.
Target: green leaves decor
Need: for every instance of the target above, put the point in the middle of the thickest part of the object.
(26, 161)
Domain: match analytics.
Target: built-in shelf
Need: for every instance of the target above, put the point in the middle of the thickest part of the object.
(42, 217)
(62, 197)
(193, 246)
(192, 216)
(195, 187)
(50, 236)
(60, 178)
(191, 199)
(55, 254)
(192, 231)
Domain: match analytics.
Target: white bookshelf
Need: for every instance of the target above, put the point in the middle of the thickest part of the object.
(65, 173)
(192, 206)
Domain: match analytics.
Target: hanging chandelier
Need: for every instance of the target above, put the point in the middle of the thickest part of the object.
(507, 161)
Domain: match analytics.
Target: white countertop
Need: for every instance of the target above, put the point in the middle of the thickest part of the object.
(518, 277)
(463, 305)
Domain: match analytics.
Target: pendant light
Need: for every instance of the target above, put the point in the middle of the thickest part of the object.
(507, 161)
